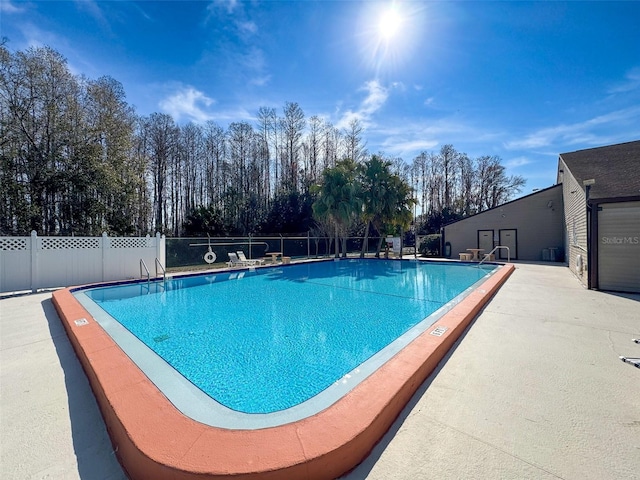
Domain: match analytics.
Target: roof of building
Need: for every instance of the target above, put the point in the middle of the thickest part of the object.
(615, 169)
(519, 199)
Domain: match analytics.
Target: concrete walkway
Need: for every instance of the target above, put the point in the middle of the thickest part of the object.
(534, 389)
(50, 425)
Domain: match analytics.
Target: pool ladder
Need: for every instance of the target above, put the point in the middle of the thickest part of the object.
(158, 264)
(488, 255)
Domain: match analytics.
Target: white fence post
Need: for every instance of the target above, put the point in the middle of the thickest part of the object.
(103, 246)
(34, 261)
(158, 248)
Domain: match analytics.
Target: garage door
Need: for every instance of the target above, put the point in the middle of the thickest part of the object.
(619, 247)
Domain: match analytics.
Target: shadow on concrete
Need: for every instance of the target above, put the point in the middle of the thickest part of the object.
(92, 446)
(536, 262)
(25, 293)
(629, 296)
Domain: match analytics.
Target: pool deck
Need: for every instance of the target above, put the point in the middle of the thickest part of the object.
(534, 389)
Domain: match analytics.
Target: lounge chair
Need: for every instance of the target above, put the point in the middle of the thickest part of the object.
(234, 261)
(248, 261)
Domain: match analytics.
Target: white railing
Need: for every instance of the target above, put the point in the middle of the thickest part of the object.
(144, 265)
(32, 263)
(162, 269)
(488, 255)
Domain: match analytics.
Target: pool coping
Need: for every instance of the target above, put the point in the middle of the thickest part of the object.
(153, 439)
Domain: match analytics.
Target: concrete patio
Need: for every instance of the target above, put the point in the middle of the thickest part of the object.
(534, 389)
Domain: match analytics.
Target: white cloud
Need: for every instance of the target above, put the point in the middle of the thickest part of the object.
(7, 7)
(517, 162)
(91, 7)
(587, 132)
(35, 37)
(630, 82)
(255, 66)
(253, 59)
(232, 13)
(189, 104)
(407, 138)
(228, 5)
(346, 119)
(247, 28)
(233, 115)
(398, 146)
(376, 97)
(260, 81)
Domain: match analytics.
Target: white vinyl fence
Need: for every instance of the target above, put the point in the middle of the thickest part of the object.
(30, 263)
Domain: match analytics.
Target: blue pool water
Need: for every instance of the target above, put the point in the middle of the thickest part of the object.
(266, 340)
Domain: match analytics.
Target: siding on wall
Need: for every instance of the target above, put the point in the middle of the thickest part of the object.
(538, 219)
(575, 212)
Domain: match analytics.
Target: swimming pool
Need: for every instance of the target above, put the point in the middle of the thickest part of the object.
(153, 439)
(268, 340)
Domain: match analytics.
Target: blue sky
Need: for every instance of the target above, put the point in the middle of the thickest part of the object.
(521, 80)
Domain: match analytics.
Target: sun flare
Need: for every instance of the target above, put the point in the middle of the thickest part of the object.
(388, 32)
(389, 23)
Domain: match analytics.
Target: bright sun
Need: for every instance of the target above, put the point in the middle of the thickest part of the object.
(389, 24)
(388, 31)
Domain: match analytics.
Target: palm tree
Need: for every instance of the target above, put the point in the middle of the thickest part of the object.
(375, 175)
(339, 199)
(401, 202)
(387, 199)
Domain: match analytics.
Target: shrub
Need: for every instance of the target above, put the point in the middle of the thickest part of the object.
(430, 245)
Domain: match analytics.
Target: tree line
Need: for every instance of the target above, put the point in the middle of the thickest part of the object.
(75, 158)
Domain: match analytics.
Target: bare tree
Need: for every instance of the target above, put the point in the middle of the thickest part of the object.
(331, 139)
(293, 125)
(162, 139)
(266, 131)
(215, 153)
(448, 156)
(312, 150)
(192, 167)
(466, 177)
(493, 186)
(240, 137)
(354, 144)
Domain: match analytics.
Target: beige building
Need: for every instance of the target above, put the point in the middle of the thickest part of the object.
(601, 190)
(590, 219)
(531, 227)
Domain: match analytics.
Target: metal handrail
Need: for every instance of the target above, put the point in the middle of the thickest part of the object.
(488, 255)
(142, 264)
(164, 272)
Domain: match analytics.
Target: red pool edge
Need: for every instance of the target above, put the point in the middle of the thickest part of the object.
(152, 439)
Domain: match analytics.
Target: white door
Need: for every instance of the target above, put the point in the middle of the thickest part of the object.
(508, 238)
(485, 240)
